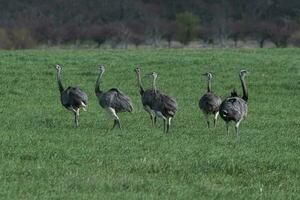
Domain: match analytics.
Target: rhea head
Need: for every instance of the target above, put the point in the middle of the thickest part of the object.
(209, 75)
(153, 75)
(57, 67)
(101, 68)
(137, 70)
(243, 73)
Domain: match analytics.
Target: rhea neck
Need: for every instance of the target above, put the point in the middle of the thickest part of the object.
(60, 86)
(209, 85)
(138, 74)
(154, 83)
(245, 90)
(97, 86)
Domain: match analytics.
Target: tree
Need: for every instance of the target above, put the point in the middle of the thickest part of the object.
(65, 21)
(137, 36)
(100, 34)
(281, 31)
(238, 31)
(187, 23)
(221, 12)
(206, 34)
(170, 28)
(260, 32)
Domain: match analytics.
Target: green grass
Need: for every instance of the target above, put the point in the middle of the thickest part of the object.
(43, 156)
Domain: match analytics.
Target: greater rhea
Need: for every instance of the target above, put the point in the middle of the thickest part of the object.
(163, 106)
(72, 98)
(209, 103)
(113, 101)
(235, 108)
(147, 96)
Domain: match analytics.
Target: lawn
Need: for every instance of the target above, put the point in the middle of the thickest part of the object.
(44, 156)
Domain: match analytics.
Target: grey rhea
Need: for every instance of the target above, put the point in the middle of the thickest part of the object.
(163, 106)
(113, 100)
(235, 108)
(147, 97)
(209, 103)
(72, 98)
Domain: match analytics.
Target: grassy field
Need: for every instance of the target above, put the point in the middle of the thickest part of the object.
(44, 156)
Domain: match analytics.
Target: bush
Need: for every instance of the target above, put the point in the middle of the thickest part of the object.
(21, 38)
(295, 38)
(5, 42)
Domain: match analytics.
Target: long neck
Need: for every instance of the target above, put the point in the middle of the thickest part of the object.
(153, 84)
(245, 90)
(208, 85)
(60, 86)
(140, 82)
(97, 86)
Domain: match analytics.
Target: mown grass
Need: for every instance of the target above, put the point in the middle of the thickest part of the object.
(43, 156)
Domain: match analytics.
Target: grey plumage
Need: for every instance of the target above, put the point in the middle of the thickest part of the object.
(163, 105)
(209, 103)
(147, 96)
(72, 98)
(235, 108)
(113, 100)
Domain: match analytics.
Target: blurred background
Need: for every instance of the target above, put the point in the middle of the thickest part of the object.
(149, 23)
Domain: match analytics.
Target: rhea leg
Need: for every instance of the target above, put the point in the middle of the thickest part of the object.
(151, 113)
(207, 119)
(215, 118)
(164, 125)
(76, 120)
(153, 119)
(76, 114)
(237, 128)
(168, 124)
(227, 130)
(116, 122)
(112, 111)
(119, 124)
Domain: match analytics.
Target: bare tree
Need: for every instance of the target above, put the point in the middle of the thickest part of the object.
(239, 30)
(170, 28)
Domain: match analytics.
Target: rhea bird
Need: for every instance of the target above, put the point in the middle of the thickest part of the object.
(72, 98)
(235, 108)
(147, 96)
(209, 103)
(163, 106)
(113, 100)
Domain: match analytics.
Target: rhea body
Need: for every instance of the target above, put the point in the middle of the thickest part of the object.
(163, 106)
(147, 96)
(113, 100)
(209, 103)
(72, 98)
(235, 108)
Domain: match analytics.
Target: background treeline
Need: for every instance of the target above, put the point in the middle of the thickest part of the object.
(28, 23)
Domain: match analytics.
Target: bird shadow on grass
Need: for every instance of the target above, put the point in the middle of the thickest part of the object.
(28, 157)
